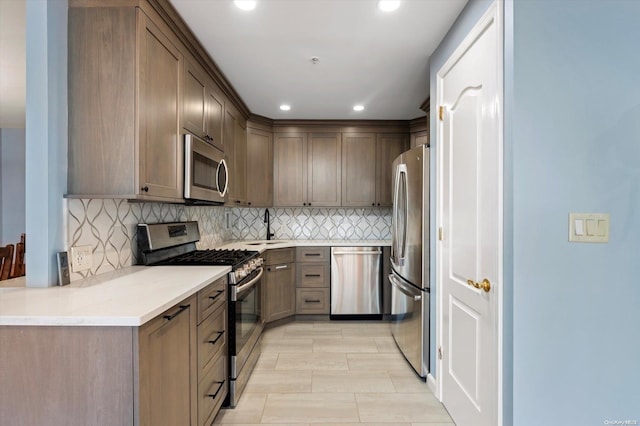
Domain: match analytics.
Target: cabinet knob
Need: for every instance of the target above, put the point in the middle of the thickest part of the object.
(249, 203)
(373, 204)
(145, 188)
(378, 203)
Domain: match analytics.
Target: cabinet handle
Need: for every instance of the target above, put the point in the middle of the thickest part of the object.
(178, 312)
(214, 395)
(312, 254)
(312, 275)
(282, 267)
(237, 201)
(145, 188)
(311, 301)
(220, 334)
(217, 295)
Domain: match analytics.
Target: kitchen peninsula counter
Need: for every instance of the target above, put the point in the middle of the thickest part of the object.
(126, 297)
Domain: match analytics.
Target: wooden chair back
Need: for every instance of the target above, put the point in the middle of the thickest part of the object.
(6, 257)
(18, 269)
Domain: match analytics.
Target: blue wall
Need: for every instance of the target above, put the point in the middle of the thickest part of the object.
(574, 140)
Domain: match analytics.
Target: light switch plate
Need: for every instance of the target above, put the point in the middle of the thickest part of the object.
(81, 258)
(589, 227)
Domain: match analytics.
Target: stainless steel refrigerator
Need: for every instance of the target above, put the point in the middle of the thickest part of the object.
(410, 257)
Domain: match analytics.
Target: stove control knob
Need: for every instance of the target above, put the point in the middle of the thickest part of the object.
(240, 273)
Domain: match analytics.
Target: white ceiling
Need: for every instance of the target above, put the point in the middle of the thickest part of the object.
(13, 65)
(368, 57)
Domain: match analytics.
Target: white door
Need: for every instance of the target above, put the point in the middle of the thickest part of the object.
(470, 201)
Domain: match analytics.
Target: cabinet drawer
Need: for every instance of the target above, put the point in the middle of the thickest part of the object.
(312, 275)
(275, 256)
(211, 298)
(212, 390)
(312, 254)
(212, 336)
(312, 301)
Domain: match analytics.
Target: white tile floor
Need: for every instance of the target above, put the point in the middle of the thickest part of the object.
(339, 373)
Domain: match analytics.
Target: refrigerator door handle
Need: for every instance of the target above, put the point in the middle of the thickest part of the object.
(400, 216)
(403, 289)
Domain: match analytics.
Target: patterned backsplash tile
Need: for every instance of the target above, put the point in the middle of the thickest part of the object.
(312, 224)
(109, 226)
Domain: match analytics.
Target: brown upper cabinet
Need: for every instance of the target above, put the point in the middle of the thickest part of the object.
(259, 168)
(203, 106)
(307, 169)
(235, 131)
(125, 105)
(388, 147)
(366, 167)
(358, 169)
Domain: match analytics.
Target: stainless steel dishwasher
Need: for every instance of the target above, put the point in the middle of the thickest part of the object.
(356, 283)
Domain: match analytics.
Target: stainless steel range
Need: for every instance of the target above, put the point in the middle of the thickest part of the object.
(175, 244)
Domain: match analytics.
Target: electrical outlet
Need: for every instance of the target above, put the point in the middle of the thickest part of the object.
(81, 258)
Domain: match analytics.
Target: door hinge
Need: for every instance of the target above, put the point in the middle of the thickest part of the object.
(440, 234)
(441, 112)
(440, 352)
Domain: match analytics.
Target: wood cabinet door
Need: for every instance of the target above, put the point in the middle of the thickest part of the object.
(230, 127)
(290, 169)
(168, 368)
(389, 146)
(194, 99)
(280, 291)
(159, 105)
(324, 184)
(240, 163)
(213, 118)
(259, 168)
(358, 169)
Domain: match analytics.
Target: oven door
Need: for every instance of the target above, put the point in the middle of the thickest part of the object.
(206, 176)
(246, 319)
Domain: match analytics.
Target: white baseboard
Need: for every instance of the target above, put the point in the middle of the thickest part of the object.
(433, 385)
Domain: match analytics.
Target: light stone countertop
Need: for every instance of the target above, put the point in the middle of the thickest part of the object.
(126, 297)
(129, 296)
(262, 245)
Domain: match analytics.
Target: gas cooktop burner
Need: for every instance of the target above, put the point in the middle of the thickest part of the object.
(233, 258)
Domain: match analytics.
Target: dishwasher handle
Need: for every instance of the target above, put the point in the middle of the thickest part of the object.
(358, 252)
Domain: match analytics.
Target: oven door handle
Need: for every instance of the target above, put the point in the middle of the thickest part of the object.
(240, 289)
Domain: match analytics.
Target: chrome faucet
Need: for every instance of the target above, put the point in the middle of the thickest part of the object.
(267, 220)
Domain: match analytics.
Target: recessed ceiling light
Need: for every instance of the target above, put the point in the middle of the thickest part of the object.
(388, 5)
(285, 107)
(245, 4)
(358, 108)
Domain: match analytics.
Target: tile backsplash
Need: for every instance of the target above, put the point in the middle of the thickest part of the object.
(312, 224)
(109, 226)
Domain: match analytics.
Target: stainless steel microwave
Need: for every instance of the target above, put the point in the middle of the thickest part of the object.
(206, 177)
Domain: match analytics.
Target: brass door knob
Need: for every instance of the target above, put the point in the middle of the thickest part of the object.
(485, 285)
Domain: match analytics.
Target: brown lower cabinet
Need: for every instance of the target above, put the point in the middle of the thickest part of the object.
(280, 284)
(148, 375)
(312, 292)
